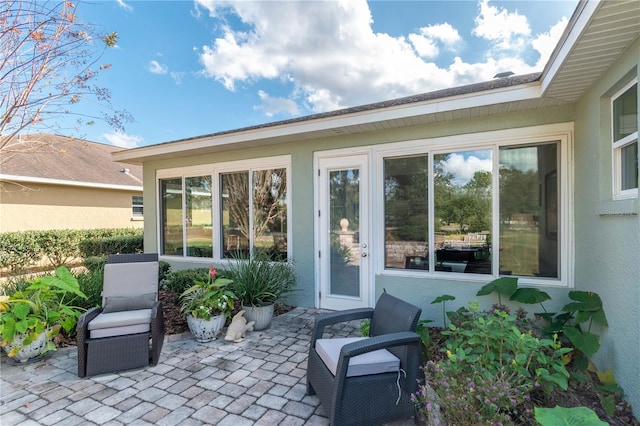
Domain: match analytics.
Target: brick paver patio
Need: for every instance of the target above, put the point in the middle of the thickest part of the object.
(259, 381)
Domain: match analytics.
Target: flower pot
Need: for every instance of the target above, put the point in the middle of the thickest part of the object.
(32, 350)
(262, 315)
(205, 330)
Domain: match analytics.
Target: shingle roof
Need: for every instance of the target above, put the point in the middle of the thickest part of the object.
(55, 157)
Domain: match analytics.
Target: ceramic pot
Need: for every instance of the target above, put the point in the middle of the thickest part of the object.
(262, 315)
(32, 350)
(205, 330)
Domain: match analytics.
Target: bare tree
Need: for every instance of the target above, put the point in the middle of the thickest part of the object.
(48, 64)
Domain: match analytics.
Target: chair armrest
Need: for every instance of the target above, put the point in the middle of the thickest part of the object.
(385, 341)
(82, 334)
(157, 332)
(330, 318)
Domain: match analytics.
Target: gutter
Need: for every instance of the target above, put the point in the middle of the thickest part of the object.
(47, 181)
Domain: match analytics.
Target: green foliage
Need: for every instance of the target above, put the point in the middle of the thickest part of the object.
(91, 284)
(586, 307)
(179, 281)
(164, 269)
(560, 416)
(443, 299)
(45, 305)
(259, 282)
(21, 250)
(365, 325)
(95, 263)
(422, 330)
(119, 244)
(207, 298)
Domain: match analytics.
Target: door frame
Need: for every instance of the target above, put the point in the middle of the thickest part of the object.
(340, 157)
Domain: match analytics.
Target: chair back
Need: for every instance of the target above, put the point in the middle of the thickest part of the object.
(392, 315)
(137, 276)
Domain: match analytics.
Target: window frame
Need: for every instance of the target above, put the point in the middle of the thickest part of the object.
(561, 133)
(215, 170)
(140, 205)
(618, 145)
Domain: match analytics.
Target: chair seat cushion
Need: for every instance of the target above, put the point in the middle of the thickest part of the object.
(120, 323)
(380, 361)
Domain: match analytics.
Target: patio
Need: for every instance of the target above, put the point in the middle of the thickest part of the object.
(260, 381)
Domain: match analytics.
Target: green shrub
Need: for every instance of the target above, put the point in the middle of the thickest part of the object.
(91, 284)
(19, 250)
(179, 281)
(95, 263)
(164, 269)
(100, 246)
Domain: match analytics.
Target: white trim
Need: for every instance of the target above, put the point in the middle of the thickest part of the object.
(618, 145)
(214, 170)
(49, 181)
(562, 132)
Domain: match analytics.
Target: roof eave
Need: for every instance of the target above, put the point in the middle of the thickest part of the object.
(47, 181)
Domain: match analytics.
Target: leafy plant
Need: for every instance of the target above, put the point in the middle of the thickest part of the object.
(179, 281)
(258, 282)
(206, 299)
(443, 299)
(560, 416)
(42, 306)
(364, 327)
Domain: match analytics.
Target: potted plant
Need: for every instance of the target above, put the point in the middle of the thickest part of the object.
(31, 318)
(260, 284)
(207, 305)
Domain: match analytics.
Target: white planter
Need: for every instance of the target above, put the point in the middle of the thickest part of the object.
(205, 330)
(32, 350)
(262, 315)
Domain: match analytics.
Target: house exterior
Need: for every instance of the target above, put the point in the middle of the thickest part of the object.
(55, 182)
(534, 176)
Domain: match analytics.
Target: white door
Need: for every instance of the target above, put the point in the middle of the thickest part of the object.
(342, 223)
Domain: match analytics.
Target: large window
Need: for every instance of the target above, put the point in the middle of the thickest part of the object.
(625, 141)
(489, 211)
(243, 214)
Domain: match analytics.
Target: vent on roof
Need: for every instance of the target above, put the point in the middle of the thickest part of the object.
(125, 171)
(503, 74)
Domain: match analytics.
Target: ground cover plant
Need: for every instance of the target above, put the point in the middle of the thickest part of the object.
(495, 367)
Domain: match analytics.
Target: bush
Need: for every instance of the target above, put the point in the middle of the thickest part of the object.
(95, 263)
(100, 246)
(18, 250)
(91, 284)
(179, 281)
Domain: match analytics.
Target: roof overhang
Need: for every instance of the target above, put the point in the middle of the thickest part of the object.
(47, 181)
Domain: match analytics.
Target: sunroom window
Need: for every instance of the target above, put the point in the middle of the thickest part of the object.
(625, 141)
(245, 214)
(448, 212)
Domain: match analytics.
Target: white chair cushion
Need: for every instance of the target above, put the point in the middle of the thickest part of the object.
(380, 361)
(120, 323)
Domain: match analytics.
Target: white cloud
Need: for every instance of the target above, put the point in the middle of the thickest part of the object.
(546, 42)
(156, 67)
(507, 30)
(330, 57)
(463, 167)
(123, 140)
(272, 106)
(125, 6)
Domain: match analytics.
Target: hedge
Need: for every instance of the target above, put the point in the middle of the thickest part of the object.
(19, 251)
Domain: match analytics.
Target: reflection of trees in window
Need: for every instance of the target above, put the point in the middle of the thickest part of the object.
(405, 209)
(171, 216)
(268, 224)
(199, 216)
(344, 198)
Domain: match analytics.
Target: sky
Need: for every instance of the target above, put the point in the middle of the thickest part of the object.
(195, 67)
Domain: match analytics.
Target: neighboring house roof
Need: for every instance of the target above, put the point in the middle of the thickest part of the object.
(45, 158)
(597, 33)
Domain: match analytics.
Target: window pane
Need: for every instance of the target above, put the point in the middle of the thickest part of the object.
(198, 216)
(406, 183)
(270, 213)
(235, 214)
(137, 206)
(462, 203)
(629, 166)
(529, 211)
(171, 216)
(625, 113)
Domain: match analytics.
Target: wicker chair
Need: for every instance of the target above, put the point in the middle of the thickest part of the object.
(128, 330)
(365, 387)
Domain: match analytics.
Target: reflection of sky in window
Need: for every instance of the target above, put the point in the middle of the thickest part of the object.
(523, 159)
(463, 165)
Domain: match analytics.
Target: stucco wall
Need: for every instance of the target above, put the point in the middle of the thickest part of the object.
(607, 231)
(40, 207)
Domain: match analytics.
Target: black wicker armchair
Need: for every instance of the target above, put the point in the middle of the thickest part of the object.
(128, 330)
(365, 386)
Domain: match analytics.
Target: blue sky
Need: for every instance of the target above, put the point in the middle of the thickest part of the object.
(189, 68)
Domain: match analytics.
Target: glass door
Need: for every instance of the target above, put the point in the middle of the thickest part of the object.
(343, 223)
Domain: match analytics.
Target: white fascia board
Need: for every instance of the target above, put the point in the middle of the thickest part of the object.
(452, 103)
(563, 51)
(48, 181)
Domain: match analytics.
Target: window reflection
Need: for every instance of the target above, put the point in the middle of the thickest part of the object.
(171, 216)
(199, 216)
